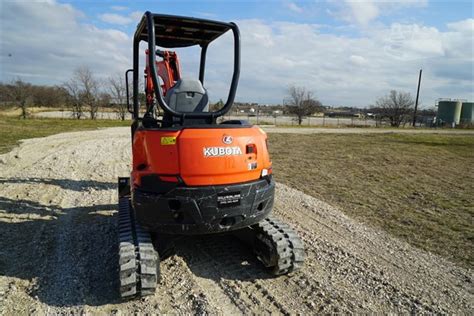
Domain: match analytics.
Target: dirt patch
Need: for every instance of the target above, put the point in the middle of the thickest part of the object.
(58, 245)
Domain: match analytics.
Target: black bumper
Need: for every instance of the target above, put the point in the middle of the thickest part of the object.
(203, 210)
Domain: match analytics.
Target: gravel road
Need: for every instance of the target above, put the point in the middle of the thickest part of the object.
(58, 245)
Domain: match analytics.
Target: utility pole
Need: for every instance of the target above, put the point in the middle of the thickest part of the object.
(258, 110)
(416, 101)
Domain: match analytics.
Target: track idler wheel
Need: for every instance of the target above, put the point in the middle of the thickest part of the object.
(278, 247)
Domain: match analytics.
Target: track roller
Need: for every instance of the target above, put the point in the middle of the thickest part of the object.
(278, 246)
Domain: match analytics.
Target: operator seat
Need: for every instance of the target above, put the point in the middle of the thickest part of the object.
(188, 95)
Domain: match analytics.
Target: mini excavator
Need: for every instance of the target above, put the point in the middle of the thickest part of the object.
(191, 175)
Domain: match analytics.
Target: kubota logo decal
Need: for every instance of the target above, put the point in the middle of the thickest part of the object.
(227, 139)
(221, 151)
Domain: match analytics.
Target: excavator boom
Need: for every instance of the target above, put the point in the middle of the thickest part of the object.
(169, 71)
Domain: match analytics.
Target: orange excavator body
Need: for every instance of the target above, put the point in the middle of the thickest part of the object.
(199, 157)
(193, 172)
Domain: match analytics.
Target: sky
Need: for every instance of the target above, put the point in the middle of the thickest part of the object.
(349, 53)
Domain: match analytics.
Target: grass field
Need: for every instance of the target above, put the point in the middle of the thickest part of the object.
(417, 187)
(13, 129)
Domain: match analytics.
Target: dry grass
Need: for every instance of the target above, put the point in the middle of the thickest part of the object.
(417, 187)
(13, 129)
(16, 111)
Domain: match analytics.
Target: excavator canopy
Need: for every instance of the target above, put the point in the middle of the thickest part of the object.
(160, 30)
(176, 31)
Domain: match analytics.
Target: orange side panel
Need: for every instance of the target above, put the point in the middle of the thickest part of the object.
(150, 156)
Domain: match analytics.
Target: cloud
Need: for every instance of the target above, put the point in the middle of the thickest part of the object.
(52, 42)
(340, 69)
(464, 26)
(119, 19)
(294, 7)
(412, 41)
(206, 15)
(113, 18)
(118, 8)
(363, 12)
(358, 60)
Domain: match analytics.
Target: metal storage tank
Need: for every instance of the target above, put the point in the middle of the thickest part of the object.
(449, 111)
(467, 113)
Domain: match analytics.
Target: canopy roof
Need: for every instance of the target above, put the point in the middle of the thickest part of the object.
(178, 31)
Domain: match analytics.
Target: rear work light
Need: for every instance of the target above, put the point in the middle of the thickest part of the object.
(251, 149)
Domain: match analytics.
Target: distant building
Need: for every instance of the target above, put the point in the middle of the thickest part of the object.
(343, 114)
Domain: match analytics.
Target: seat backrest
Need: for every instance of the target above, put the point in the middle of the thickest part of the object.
(188, 95)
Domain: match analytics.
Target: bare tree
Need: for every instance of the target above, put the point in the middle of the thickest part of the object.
(20, 94)
(301, 103)
(118, 93)
(5, 98)
(216, 106)
(35, 95)
(103, 100)
(395, 107)
(73, 99)
(89, 90)
(48, 96)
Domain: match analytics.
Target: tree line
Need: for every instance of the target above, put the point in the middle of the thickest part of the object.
(85, 93)
(82, 93)
(396, 108)
(23, 94)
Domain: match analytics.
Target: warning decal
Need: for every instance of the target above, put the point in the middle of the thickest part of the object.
(168, 140)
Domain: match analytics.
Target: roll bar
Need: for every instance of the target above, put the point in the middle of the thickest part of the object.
(148, 21)
(129, 109)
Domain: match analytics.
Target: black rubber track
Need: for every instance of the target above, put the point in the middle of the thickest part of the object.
(127, 257)
(278, 246)
(148, 262)
(138, 260)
